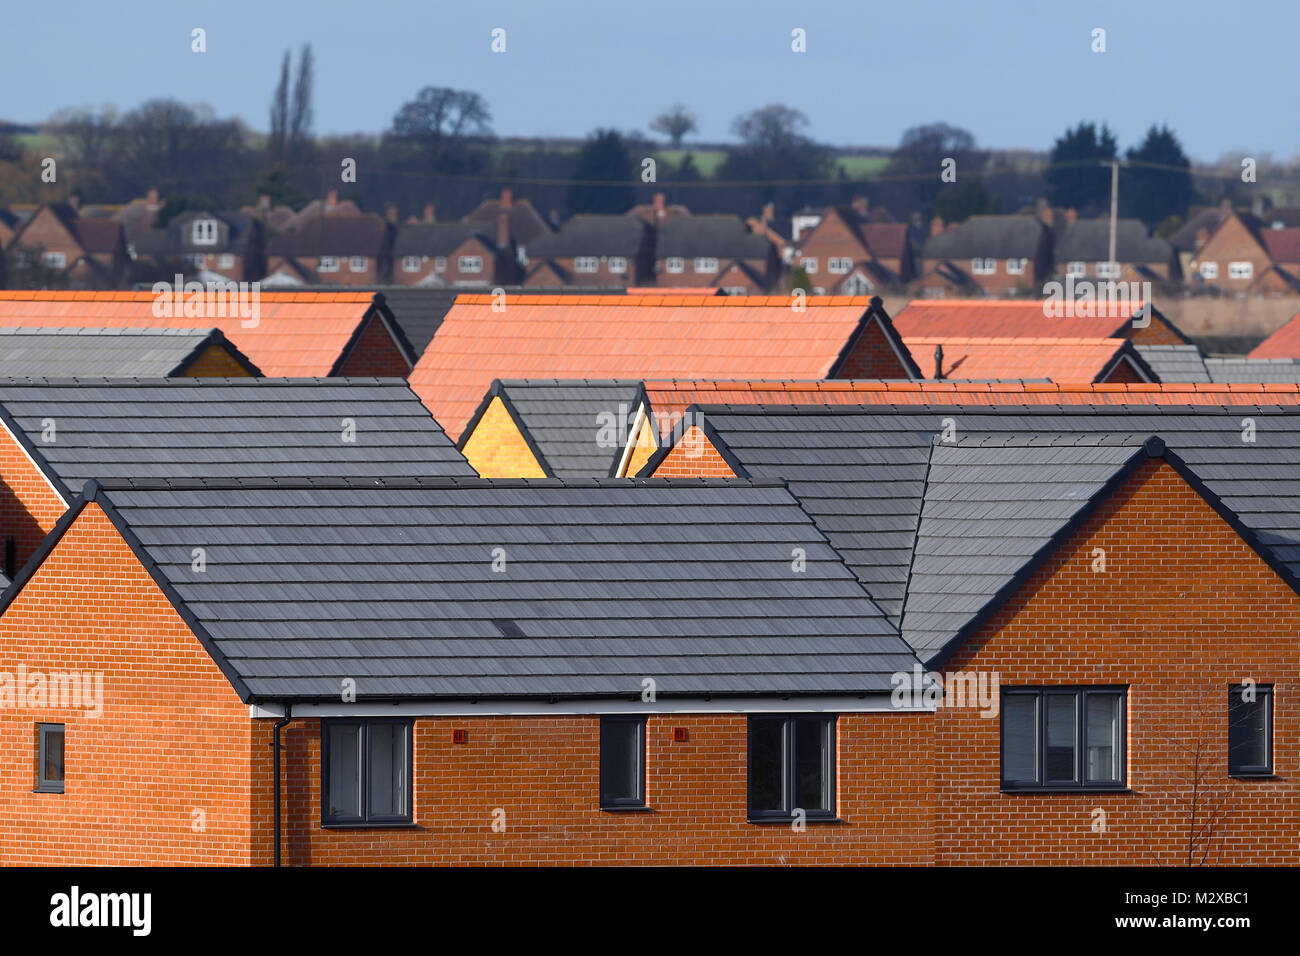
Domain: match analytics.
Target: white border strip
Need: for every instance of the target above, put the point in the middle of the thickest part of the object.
(39, 470)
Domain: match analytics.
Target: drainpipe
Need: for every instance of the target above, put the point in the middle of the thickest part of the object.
(279, 724)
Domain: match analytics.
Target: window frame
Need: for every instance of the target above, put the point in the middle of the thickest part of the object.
(204, 232)
(984, 266)
(1208, 270)
(461, 265)
(1076, 268)
(810, 264)
(701, 265)
(327, 264)
(638, 802)
(411, 263)
(586, 265)
(1104, 270)
(839, 265)
(54, 260)
(358, 263)
(366, 820)
(1241, 269)
(42, 784)
(1266, 692)
(226, 260)
(788, 764)
(1016, 267)
(675, 265)
(617, 264)
(1080, 693)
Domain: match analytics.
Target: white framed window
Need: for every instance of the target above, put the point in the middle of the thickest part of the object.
(736, 290)
(226, 261)
(1104, 270)
(470, 264)
(410, 263)
(328, 264)
(1209, 270)
(706, 264)
(586, 264)
(204, 232)
(617, 264)
(440, 264)
(857, 284)
(810, 265)
(54, 260)
(984, 267)
(1241, 270)
(197, 259)
(839, 265)
(1016, 267)
(1076, 269)
(675, 264)
(358, 264)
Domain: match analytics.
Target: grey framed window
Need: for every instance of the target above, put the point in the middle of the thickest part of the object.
(791, 767)
(622, 763)
(49, 758)
(1063, 738)
(1250, 730)
(365, 772)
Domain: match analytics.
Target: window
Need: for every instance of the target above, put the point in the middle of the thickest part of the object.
(586, 264)
(984, 267)
(617, 264)
(358, 264)
(470, 263)
(365, 772)
(1016, 267)
(1240, 270)
(622, 763)
(791, 767)
(1209, 270)
(856, 284)
(839, 265)
(410, 263)
(736, 290)
(440, 264)
(204, 232)
(675, 264)
(328, 264)
(54, 260)
(226, 261)
(49, 758)
(1104, 270)
(1250, 731)
(1063, 738)
(197, 259)
(1076, 269)
(706, 264)
(810, 265)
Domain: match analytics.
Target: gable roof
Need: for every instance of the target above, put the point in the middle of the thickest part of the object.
(1179, 363)
(715, 236)
(1012, 318)
(235, 233)
(1088, 240)
(593, 235)
(1000, 237)
(334, 235)
(1238, 369)
(632, 337)
(438, 238)
(1284, 343)
(419, 612)
(112, 353)
(251, 428)
(525, 222)
(296, 333)
(1283, 245)
(1056, 359)
(1208, 218)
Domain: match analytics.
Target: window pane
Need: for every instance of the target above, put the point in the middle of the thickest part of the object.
(620, 761)
(810, 784)
(52, 769)
(1061, 727)
(1247, 731)
(1102, 737)
(387, 770)
(766, 757)
(1019, 738)
(343, 794)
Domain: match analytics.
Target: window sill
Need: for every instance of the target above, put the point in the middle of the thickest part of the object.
(47, 790)
(1031, 791)
(1249, 775)
(641, 809)
(787, 821)
(370, 826)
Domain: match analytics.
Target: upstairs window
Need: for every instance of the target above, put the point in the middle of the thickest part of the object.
(1063, 738)
(622, 763)
(839, 265)
(410, 263)
(617, 264)
(1209, 270)
(675, 264)
(440, 264)
(49, 758)
(203, 232)
(358, 264)
(328, 264)
(54, 260)
(1105, 270)
(791, 768)
(226, 261)
(706, 264)
(984, 267)
(810, 265)
(470, 263)
(365, 772)
(1241, 270)
(586, 264)
(1016, 267)
(1250, 731)
(1077, 269)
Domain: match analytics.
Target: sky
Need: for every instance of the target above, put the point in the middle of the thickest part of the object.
(1016, 73)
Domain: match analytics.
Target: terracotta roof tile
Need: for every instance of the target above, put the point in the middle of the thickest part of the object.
(1058, 359)
(1003, 317)
(1284, 343)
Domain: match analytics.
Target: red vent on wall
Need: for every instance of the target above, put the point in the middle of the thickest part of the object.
(459, 736)
(679, 735)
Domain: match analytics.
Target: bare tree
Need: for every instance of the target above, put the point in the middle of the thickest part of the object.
(300, 118)
(280, 113)
(1206, 796)
(675, 123)
(443, 122)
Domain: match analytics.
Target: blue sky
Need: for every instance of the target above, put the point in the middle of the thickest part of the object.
(1014, 72)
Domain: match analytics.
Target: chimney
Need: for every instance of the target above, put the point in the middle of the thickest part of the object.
(264, 202)
(769, 212)
(331, 199)
(938, 361)
(1225, 204)
(152, 197)
(1071, 216)
(503, 229)
(1257, 206)
(74, 201)
(1202, 237)
(390, 212)
(507, 196)
(936, 226)
(861, 204)
(659, 206)
(428, 212)
(1044, 210)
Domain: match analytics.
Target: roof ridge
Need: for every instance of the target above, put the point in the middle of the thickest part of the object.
(382, 483)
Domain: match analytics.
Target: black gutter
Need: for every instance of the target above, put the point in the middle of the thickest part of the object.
(288, 716)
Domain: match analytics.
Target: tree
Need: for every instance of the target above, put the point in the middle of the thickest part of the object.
(959, 201)
(675, 124)
(774, 146)
(300, 113)
(279, 136)
(917, 164)
(1076, 176)
(177, 148)
(686, 171)
(604, 158)
(443, 124)
(1157, 183)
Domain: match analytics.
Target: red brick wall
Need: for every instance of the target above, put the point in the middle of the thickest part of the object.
(1231, 242)
(173, 737)
(1183, 609)
(871, 356)
(29, 507)
(693, 457)
(1157, 333)
(375, 352)
(544, 773)
(1123, 373)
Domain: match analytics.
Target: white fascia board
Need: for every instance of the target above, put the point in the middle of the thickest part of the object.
(39, 470)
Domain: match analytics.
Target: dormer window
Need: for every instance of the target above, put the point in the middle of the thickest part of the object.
(204, 232)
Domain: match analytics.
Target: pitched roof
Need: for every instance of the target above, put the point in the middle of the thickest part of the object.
(1001, 237)
(296, 333)
(1009, 318)
(360, 235)
(1057, 359)
(1253, 369)
(99, 236)
(112, 353)
(1283, 245)
(396, 588)
(438, 238)
(720, 237)
(234, 234)
(262, 428)
(576, 429)
(593, 235)
(526, 223)
(1088, 240)
(1178, 363)
(625, 337)
(1184, 239)
(1284, 343)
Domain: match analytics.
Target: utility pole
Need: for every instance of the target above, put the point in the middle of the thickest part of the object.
(1114, 214)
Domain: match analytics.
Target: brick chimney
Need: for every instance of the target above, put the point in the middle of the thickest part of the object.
(1202, 237)
(331, 199)
(390, 212)
(861, 205)
(428, 212)
(503, 230)
(152, 197)
(936, 226)
(659, 205)
(74, 201)
(1225, 204)
(264, 202)
(1071, 216)
(769, 212)
(507, 197)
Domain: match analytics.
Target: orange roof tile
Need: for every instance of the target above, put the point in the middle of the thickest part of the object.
(1284, 343)
(651, 336)
(1005, 317)
(299, 334)
(1058, 359)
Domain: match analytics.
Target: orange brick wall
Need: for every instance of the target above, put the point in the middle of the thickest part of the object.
(29, 507)
(215, 362)
(871, 356)
(497, 449)
(1157, 333)
(544, 773)
(173, 737)
(693, 457)
(375, 353)
(1123, 373)
(1184, 609)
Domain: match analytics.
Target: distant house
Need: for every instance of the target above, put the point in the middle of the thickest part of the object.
(57, 245)
(846, 253)
(1188, 238)
(329, 207)
(1234, 258)
(229, 245)
(593, 250)
(524, 223)
(1283, 245)
(1083, 251)
(999, 254)
(455, 254)
(9, 224)
(337, 250)
(714, 251)
(658, 210)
